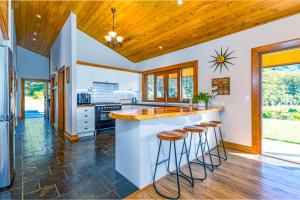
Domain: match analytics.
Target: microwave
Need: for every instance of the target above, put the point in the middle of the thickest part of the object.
(83, 98)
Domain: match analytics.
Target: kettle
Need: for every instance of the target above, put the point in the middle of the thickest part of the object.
(133, 100)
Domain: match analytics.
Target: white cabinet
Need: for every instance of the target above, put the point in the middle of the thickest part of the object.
(85, 121)
(127, 80)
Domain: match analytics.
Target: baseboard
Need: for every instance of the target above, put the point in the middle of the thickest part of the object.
(238, 147)
(72, 138)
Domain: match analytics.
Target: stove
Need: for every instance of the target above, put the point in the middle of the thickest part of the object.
(102, 118)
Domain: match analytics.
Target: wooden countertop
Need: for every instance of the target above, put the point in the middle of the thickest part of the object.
(161, 112)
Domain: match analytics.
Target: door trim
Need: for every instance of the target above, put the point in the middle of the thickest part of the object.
(61, 116)
(256, 87)
(52, 99)
(22, 114)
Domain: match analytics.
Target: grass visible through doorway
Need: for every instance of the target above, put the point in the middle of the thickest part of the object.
(34, 99)
(282, 130)
(281, 103)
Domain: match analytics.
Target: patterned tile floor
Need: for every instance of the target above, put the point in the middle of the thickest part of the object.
(48, 167)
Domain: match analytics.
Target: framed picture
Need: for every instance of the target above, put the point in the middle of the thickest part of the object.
(221, 86)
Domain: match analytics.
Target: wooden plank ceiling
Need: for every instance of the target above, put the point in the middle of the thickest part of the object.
(145, 25)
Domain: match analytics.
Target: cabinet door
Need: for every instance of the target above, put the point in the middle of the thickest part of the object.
(128, 81)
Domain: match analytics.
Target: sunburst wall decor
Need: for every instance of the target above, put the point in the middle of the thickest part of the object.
(221, 59)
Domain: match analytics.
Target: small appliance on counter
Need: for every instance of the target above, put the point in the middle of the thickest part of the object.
(83, 98)
(133, 100)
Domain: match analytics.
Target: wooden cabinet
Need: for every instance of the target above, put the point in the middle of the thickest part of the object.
(85, 121)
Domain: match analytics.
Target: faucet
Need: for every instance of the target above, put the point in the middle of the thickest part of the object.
(166, 96)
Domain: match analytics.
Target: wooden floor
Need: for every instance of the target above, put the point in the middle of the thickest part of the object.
(240, 177)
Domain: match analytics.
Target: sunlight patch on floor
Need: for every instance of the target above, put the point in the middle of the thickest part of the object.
(266, 159)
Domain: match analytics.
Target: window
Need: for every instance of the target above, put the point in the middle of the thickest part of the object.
(160, 89)
(187, 82)
(176, 83)
(150, 87)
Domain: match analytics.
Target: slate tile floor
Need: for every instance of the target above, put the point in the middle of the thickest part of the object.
(49, 167)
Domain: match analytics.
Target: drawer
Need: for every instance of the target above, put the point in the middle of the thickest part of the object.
(86, 122)
(81, 129)
(83, 111)
(85, 116)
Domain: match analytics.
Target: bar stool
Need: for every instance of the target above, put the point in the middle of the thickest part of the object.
(214, 125)
(200, 130)
(172, 136)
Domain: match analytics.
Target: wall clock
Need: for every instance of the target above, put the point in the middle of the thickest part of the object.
(221, 59)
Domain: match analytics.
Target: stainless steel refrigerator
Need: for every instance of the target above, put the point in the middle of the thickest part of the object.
(7, 118)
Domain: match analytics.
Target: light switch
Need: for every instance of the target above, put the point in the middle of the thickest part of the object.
(247, 98)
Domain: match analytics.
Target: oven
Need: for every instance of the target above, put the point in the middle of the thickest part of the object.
(102, 118)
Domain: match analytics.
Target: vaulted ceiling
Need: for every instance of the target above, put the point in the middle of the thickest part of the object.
(145, 25)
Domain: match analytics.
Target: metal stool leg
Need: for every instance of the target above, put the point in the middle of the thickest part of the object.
(211, 165)
(217, 147)
(209, 153)
(202, 152)
(188, 178)
(176, 166)
(170, 149)
(224, 149)
(194, 162)
(155, 170)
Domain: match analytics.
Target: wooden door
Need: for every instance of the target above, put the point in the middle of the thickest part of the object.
(61, 99)
(52, 99)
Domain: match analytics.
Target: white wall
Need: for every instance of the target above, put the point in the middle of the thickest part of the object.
(237, 116)
(30, 65)
(63, 53)
(92, 51)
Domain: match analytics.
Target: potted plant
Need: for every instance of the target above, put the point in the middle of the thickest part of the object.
(203, 97)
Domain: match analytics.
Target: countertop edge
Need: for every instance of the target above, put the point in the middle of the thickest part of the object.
(163, 115)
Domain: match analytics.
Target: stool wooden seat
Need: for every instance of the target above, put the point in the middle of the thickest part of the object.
(210, 124)
(195, 129)
(171, 135)
(217, 122)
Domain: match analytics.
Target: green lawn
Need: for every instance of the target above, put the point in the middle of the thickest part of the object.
(283, 130)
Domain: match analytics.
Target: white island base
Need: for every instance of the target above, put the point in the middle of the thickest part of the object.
(137, 145)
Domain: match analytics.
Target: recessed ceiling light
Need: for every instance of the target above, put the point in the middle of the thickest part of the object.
(180, 2)
(160, 47)
(34, 33)
(33, 39)
(38, 16)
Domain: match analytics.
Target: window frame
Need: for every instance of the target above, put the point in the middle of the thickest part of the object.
(166, 71)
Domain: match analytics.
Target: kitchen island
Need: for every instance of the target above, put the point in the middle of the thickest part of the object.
(137, 144)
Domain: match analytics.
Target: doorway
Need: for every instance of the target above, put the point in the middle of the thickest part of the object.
(61, 98)
(276, 100)
(281, 112)
(34, 98)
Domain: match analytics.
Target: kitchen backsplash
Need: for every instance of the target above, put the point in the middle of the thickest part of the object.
(109, 92)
